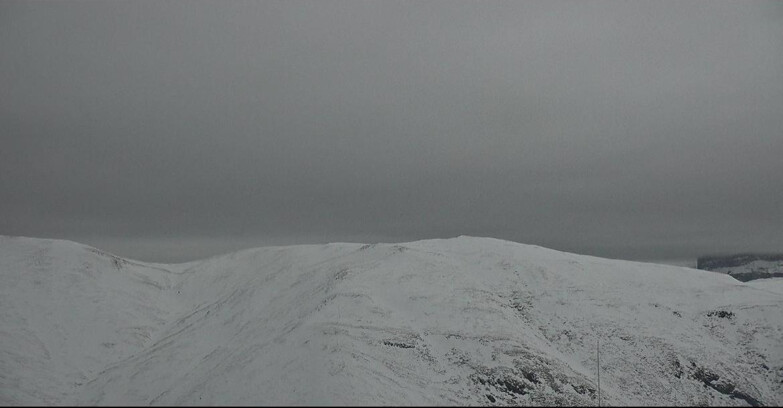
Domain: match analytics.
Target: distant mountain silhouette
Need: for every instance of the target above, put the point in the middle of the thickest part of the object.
(744, 267)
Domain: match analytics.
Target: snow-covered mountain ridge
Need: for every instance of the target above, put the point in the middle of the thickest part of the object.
(744, 267)
(456, 321)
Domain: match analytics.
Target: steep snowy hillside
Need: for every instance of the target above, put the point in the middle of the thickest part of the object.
(457, 321)
(772, 284)
(68, 310)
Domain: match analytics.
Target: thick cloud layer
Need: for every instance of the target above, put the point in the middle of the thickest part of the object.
(175, 130)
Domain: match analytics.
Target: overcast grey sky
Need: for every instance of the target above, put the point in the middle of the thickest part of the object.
(174, 130)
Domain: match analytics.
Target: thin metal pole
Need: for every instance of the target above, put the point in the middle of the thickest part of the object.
(598, 355)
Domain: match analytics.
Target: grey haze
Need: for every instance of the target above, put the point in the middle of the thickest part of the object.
(175, 130)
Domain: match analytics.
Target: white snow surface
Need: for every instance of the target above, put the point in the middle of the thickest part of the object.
(771, 284)
(458, 321)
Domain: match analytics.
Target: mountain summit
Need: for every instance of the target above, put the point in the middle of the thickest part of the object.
(458, 321)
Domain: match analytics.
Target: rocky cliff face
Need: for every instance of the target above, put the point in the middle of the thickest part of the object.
(744, 267)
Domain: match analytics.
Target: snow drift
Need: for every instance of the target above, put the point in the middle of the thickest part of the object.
(456, 321)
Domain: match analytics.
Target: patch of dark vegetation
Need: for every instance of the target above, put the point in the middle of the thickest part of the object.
(584, 390)
(341, 274)
(568, 334)
(531, 376)
(724, 387)
(520, 301)
(723, 314)
(705, 376)
(518, 305)
(398, 344)
(458, 357)
(750, 400)
(677, 368)
(512, 385)
(117, 262)
(504, 383)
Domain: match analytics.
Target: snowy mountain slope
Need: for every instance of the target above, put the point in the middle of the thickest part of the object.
(457, 321)
(771, 284)
(67, 310)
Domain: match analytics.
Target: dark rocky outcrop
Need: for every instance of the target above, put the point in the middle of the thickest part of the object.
(714, 381)
(728, 261)
(739, 266)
